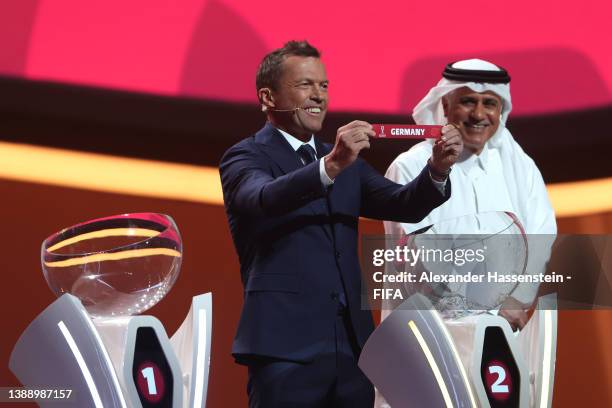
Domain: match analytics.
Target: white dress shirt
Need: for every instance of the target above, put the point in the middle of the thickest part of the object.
(297, 143)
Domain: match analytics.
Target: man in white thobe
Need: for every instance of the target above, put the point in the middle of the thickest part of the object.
(493, 172)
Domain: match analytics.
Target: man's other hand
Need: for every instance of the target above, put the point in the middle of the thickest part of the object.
(447, 149)
(350, 140)
(514, 312)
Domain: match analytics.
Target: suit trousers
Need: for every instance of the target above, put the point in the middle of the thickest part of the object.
(332, 379)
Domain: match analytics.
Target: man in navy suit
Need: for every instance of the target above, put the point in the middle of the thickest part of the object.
(293, 205)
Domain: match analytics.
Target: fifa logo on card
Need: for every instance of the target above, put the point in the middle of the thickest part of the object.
(382, 131)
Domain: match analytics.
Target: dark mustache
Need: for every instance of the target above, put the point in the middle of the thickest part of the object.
(486, 123)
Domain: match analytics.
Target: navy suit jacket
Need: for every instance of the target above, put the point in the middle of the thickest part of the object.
(297, 241)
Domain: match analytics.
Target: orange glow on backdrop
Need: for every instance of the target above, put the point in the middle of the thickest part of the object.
(150, 178)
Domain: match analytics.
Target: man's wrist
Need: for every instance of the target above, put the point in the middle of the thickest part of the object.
(325, 179)
(437, 174)
(331, 168)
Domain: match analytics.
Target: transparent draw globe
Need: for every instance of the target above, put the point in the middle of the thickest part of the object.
(498, 248)
(117, 266)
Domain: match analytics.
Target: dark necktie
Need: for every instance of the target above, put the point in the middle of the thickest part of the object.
(307, 154)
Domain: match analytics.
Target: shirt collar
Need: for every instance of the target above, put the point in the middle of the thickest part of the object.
(470, 160)
(483, 157)
(295, 142)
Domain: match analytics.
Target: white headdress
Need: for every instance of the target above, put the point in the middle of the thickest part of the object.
(467, 73)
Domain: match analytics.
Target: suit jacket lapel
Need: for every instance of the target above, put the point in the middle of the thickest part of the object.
(277, 148)
(322, 149)
(280, 152)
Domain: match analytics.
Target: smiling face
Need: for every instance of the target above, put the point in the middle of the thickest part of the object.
(302, 84)
(477, 115)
